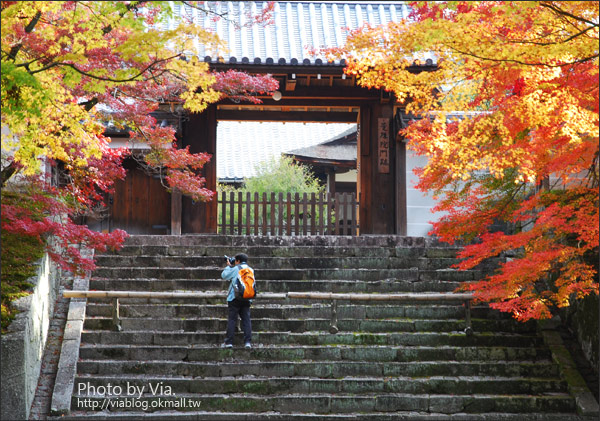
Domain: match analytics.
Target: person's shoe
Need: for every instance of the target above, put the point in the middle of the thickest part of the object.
(226, 345)
(248, 345)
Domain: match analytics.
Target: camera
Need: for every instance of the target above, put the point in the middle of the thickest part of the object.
(230, 259)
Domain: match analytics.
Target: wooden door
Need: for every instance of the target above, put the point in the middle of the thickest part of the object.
(140, 204)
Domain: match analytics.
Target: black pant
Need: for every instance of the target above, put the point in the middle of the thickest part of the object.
(241, 309)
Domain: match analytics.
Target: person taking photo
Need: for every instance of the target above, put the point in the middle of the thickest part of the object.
(239, 297)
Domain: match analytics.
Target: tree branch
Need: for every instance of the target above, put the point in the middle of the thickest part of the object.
(7, 172)
(562, 12)
(502, 60)
(225, 15)
(132, 6)
(210, 12)
(15, 50)
(105, 79)
(88, 105)
(572, 37)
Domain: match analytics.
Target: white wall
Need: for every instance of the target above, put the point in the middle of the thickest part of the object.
(418, 204)
(350, 176)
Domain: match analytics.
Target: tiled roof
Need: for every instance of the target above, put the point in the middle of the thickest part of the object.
(243, 144)
(297, 25)
(341, 148)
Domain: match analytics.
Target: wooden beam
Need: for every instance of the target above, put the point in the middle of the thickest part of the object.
(290, 83)
(319, 92)
(316, 162)
(408, 297)
(159, 295)
(300, 69)
(278, 70)
(293, 295)
(301, 116)
(288, 100)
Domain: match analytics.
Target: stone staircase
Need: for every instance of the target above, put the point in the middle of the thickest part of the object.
(389, 361)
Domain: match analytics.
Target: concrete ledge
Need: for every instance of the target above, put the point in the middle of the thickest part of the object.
(584, 400)
(69, 354)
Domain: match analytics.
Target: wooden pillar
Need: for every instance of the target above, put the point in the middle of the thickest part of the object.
(376, 170)
(176, 212)
(200, 134)
(331, 182)
(363, 167)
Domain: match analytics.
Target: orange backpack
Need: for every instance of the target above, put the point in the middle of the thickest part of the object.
(244, 285)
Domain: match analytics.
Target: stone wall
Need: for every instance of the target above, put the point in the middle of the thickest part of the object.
(582, 318)
(23, 345)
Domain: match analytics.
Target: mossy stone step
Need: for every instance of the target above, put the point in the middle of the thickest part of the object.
(322, 338)
(390, 360)
(337, 262)
(234, 241)
(90, 384)
(276, 286)
(309, 416)
(218, 251)
(302, 353)
(275, 274)
(320, 369)
(399, 324)
(336, 404)
(291, 311)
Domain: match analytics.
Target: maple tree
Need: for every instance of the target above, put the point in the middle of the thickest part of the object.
(70, 68)
(508, 119)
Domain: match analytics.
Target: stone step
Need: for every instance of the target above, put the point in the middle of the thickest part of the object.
(324, 338)
(355, 262)
(284, 241)
(190, 415)
(215, 273)
(310, 324)
(262, 301)
(310, 352)
(290, 274)
(141, 384)
(286, 310)
(275, 285)
(348, 403)
(321, 369)
(218, 251)
(389, 361)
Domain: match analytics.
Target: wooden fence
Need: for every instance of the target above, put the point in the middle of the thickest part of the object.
(287, 214)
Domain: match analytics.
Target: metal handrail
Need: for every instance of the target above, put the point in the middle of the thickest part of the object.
(319, 296)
